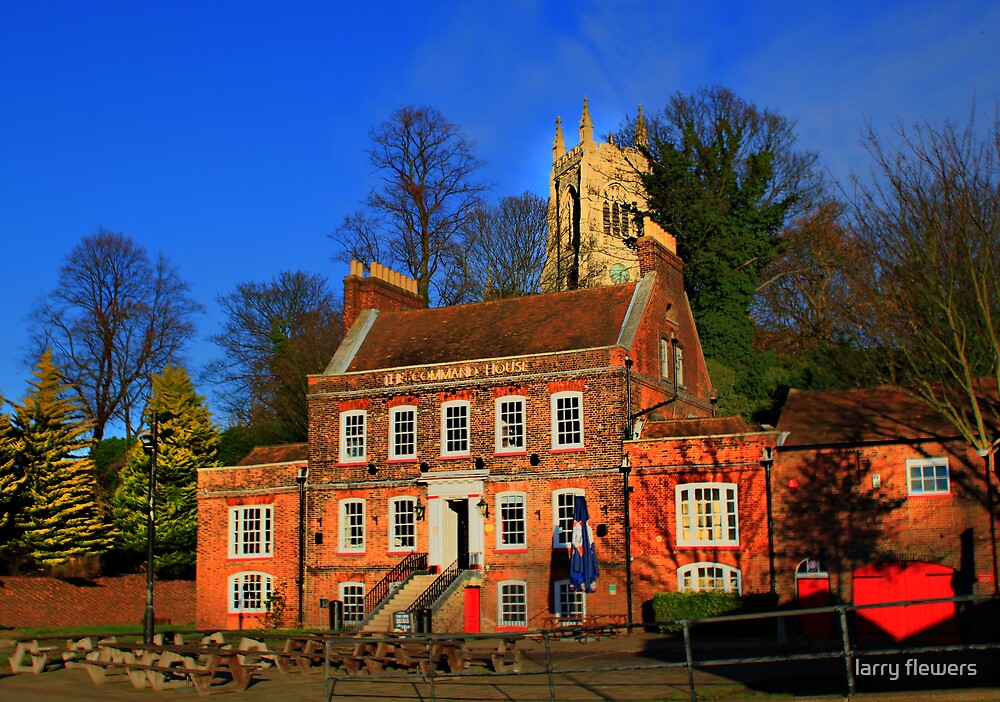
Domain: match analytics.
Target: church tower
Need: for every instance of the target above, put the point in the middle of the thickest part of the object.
(593, 190)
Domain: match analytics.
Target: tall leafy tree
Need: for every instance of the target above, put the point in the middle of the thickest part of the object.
(724, 178)
(429, 188)
(114, 318)
(61, 521)
(274, 334)
(186, 440)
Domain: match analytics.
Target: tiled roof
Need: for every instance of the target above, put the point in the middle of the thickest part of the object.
(704, 426)
(884, 413)
(535, 324)
(286, 453)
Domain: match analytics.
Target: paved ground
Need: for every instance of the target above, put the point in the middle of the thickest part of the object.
(575, 679)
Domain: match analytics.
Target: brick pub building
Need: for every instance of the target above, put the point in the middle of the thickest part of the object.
(446, 447)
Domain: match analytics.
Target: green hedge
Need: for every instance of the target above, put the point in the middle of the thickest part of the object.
(671, 606)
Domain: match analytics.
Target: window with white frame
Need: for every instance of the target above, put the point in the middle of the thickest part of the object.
(402, 524)
(455, 428)
(250, 591)
(569, 604)
(563, 502)
(352, 436)
(353, 597)
(510, 423)
(698, 577)
(352, 525)
(707, 515)
(250, 534)
(665, 358)
(512, 603)
(512, 531)
(678, 365)
(403, 432)
(928, 476)
(567, 420)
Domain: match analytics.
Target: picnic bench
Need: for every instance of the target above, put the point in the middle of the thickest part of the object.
(583, 627)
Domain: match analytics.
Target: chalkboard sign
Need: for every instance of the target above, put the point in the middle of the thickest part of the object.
(401, 622)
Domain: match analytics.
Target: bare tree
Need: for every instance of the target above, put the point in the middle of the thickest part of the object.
(429, 189)
(114, 319)
(928, 225)
(506, 247)
(274, 335)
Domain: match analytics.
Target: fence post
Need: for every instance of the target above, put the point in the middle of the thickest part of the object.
(434, 656)
(689, 655)
(548, 666)
(848, 652)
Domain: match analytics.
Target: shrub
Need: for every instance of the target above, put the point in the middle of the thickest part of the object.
(671, 606)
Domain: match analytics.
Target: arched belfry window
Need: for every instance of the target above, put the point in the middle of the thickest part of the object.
(615, 212)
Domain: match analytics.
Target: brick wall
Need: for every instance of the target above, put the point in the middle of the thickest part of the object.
(53, 602)
(826, 507)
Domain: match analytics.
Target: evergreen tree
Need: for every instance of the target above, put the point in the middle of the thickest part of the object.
(12, 483)
(186, 440)
(61, 521)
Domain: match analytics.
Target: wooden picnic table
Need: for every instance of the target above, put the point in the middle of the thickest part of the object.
(596, 625)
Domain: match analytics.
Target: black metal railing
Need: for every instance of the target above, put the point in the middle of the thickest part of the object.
(401, 571)
(437, 588)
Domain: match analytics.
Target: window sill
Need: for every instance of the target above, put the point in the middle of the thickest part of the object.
(511, 628)
(351, 553)
(401, 551)
(247, 613)
(352, 463)
(568, 449)
(512, 549)
(411, 459)
(919, 495)
(268, 557)
(453, 457)
(709, 547)
(520, 452)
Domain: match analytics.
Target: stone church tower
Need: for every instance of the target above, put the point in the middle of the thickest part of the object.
(592, 187)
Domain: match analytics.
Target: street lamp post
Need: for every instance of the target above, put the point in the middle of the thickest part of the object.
(149, 444)
(988, 454)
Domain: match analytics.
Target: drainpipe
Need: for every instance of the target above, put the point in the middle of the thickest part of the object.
(626, 468)
(301, 480)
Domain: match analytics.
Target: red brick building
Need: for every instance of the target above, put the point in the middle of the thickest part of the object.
(464, 433)
(877, 499)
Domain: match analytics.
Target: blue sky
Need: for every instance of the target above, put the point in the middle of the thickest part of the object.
(231, 135)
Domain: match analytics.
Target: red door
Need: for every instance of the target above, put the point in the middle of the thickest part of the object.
(906, 580)
(814, 592)
(472, 601)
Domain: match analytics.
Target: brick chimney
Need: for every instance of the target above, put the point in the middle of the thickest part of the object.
(383, 289)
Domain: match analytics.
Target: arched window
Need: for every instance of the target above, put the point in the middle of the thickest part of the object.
(698, 577)
(250, 591)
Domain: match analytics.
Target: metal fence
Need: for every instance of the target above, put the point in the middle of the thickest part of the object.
(543, 663)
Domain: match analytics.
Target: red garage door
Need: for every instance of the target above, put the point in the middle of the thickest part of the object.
(905, 580)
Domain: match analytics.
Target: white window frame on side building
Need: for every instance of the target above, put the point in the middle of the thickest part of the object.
(705, 576)
(928, 476)
(511, 595)
(567, 420)
(510, 424)
(455, 428)
(251, 531)
(349, 523)
(353, 436)
(402, 524)
(249, 591)
(707, 514)
(562, 516)
(352, 594)
(402, 432)
(512, 520)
